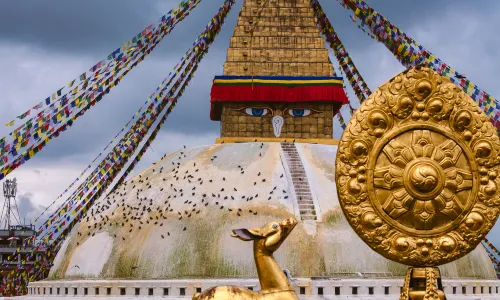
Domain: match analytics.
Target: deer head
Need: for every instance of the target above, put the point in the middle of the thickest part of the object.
(274, 284)
(269, 237)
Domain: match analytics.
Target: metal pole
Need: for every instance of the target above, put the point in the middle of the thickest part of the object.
(9, 191)
(8, 207)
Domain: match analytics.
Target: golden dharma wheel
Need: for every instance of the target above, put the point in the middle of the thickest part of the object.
(417, 170)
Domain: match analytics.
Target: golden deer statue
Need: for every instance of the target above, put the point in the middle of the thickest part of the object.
(273, 281)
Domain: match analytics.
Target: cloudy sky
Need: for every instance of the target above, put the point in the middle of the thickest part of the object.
(45, 44)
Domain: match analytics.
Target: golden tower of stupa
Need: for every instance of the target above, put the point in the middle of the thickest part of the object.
(277, 38)
(278, 78)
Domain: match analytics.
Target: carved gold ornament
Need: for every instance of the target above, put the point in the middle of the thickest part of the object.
(417, 170)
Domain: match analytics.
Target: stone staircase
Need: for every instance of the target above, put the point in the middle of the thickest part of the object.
(300, 182)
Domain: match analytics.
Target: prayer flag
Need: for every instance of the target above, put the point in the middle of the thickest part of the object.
(146, 30)
(38, 106)
(24, 115)
(11, 123)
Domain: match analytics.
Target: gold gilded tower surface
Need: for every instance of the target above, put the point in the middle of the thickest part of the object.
(417, 170)
(277, 39)
(282, 41)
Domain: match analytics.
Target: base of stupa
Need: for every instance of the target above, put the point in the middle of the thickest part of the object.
(351, 286)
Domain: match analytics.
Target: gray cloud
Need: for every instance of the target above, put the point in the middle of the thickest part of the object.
(92, 27)
(73, 26)
(28, 209)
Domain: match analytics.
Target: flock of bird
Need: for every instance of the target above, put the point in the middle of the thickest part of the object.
(179, 183)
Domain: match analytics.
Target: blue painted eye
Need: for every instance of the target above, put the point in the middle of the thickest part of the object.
(258, 112)
(299, 112)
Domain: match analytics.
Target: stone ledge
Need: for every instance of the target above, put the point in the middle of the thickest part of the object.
(306, 288)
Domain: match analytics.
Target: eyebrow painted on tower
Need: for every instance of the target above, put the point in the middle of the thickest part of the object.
(278, 81)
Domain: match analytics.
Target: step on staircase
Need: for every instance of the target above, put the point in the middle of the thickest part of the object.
(300, 182)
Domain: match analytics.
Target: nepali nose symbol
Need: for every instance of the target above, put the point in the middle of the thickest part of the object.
(278, 122)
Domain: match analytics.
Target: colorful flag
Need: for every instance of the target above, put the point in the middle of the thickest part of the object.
(71, 83)
(11, 123)
(24, 115)
(146, 30)
(97, 66)
(38, 106)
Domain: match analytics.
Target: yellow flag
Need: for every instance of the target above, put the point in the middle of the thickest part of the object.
(11, 123)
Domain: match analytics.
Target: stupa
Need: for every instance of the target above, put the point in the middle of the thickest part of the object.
(166, 232)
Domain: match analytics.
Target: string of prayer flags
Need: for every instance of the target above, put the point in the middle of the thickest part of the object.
(341, 120)
(141, 126)
(60, 111)
(162, 86)
(353, 75)
(494, 260)
(200, 48)
(209, 32)
(410, 54)
(64, 116)
(228, 4)
(352, 109)
(494, 255)
(493, 248)
(104, 167)
(90, 165)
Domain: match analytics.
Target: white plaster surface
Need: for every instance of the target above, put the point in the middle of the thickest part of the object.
(60, 258)
(89, 259)
(235, 179)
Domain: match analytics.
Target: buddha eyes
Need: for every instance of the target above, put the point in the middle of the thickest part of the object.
(258, 112)
(262, 111)
(299, 112)
(275, 226)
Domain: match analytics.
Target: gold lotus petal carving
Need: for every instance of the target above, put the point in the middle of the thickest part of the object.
(417, 170)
